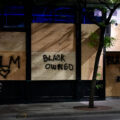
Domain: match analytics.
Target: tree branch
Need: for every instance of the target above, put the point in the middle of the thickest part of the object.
(111, 13)
(105, 3)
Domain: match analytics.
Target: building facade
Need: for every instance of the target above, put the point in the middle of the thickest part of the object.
(45, 55)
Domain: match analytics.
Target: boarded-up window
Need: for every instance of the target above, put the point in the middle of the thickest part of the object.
(12, 56)
(53, 51)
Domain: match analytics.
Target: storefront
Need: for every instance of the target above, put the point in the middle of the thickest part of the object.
(43, 57)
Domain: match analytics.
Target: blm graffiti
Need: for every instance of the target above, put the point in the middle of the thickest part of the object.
(6, 69)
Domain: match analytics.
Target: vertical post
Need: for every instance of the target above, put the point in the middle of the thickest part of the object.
(28, 19)
(104, 76)
(78, 48)
(1, 61)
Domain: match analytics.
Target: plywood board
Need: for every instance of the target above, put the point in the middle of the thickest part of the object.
(46, 69)
(14, 70)
(12, 56)
(115, 33)
(12, 41)
(112, 71)
(53, 39)
(88, 53)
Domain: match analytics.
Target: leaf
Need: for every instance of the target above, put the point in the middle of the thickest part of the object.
(102, 24)
(113, 21)
(94, 38)
(98, 74)
(108, 41)
(99, 86)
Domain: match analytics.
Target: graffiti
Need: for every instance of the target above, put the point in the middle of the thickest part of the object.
(6, 69)
(59, 58)
(59, 66)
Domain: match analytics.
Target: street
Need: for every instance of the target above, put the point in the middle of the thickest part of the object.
(81, 117)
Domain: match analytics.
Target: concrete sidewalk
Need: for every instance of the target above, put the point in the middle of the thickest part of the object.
(56, 109)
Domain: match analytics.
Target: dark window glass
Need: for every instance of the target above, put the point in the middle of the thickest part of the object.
(12, 17)
(87, 20)
(53, 15)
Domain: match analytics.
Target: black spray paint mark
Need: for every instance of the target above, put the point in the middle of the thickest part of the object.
(59, 58)
(59, 67)
(56, 57)
(6, 69)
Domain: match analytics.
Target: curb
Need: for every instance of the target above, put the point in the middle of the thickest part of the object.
(73, 114)
(33, 115)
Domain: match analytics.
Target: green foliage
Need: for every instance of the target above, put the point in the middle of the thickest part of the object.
(108, 41)
(102, 9)
(113, 21)
(102, 24)
(98, 76)
(94, 38)
(99, 86)
(113, 1)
